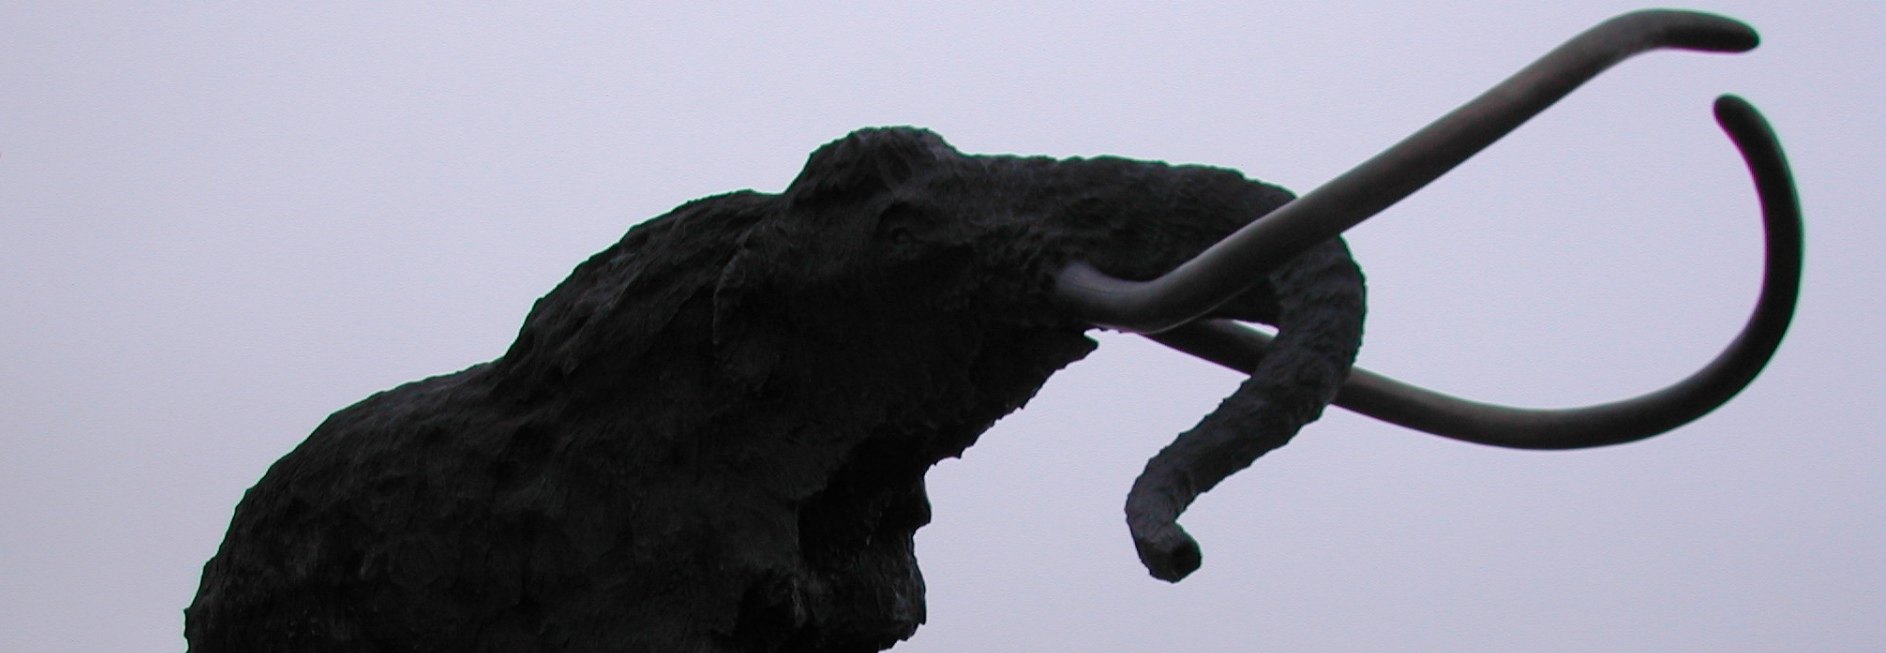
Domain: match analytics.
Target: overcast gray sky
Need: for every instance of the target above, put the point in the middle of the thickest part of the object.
(220, 222)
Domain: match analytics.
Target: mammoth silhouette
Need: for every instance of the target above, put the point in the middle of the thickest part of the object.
(713, 435)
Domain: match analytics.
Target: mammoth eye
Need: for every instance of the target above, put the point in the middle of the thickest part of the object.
(898, 222)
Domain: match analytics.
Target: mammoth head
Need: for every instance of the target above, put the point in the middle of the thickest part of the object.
(895, 217)
(1120, 238)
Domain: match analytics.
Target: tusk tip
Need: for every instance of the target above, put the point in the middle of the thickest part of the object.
(1695, 30)
(1731, 109)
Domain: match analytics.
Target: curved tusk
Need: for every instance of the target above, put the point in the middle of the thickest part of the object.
(1243, 258)
(1232, 345)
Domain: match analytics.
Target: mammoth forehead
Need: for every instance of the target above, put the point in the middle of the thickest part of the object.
(1130, 218)
(1120, 197)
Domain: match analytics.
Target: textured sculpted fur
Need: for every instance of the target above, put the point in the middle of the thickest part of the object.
(713, 435)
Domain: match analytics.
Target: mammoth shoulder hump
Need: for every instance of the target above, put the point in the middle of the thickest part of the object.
(614, 304)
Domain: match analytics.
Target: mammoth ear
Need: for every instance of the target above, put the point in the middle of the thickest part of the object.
(745, 331)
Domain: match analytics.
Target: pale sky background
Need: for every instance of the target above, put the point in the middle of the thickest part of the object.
(220, 222)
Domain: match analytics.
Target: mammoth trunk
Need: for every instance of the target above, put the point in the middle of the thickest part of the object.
(1320, 302)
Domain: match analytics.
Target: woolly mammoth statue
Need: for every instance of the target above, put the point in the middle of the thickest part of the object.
(713, 435)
